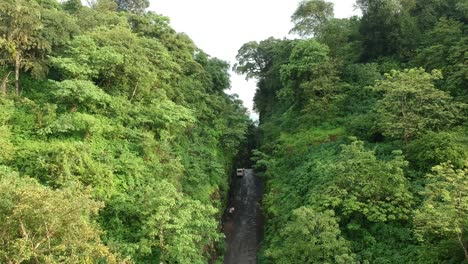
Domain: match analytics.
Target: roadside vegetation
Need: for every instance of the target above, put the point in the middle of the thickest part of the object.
(116, 136)
(363, 134)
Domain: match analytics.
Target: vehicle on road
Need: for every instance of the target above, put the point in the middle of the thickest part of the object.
(240, 172)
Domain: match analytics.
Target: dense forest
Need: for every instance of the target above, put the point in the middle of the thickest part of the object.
(116, 136)
(363, 134)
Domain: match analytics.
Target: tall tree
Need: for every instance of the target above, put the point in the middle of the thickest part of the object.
(386, 27)
(311, 16)
(263, 61)
(20, 21)
(309, 78)
(412, 105)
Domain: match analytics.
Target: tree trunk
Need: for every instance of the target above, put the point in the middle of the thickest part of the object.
(461, 241)
(17, 73)
(134, 91)
(3, 87)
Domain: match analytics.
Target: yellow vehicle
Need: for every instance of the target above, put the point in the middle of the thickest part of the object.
(240, 172)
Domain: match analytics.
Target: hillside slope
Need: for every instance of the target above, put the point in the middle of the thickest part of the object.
(363, 130)
(117, 138)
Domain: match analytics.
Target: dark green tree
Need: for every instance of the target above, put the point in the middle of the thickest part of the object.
(311, 16)
(133, 6)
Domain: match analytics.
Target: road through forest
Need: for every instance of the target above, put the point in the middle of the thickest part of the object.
(244, 228)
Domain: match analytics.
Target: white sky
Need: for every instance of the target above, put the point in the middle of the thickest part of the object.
(221, 27)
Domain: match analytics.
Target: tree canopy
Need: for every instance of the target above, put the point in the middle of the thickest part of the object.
(362, 133)
(117, 137)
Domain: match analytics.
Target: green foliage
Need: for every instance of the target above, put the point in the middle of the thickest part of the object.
(58, 163)
(364, 77)
(435, 148)
(134, 6)
(129, 129)
(411, 105)
(41, 225)
(444, 212)
(125, 146)
(305, 85)
(444, 49)
(310, 16)
(6, 109)
(19, 48)
(311, 237)
(29, 29)
(387, 28)
(263, 60)
(81, 95)
(87, 61)
(7, 147)
(217, 70)
(342, 38)
(357, 183)
(178, 225)
(72, 5)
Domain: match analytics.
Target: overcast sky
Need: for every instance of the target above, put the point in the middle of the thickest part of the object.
(221, 27)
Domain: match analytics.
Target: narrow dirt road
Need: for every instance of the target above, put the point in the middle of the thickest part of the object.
(244, 227)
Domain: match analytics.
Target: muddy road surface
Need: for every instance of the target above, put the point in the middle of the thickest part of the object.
(244, 227)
